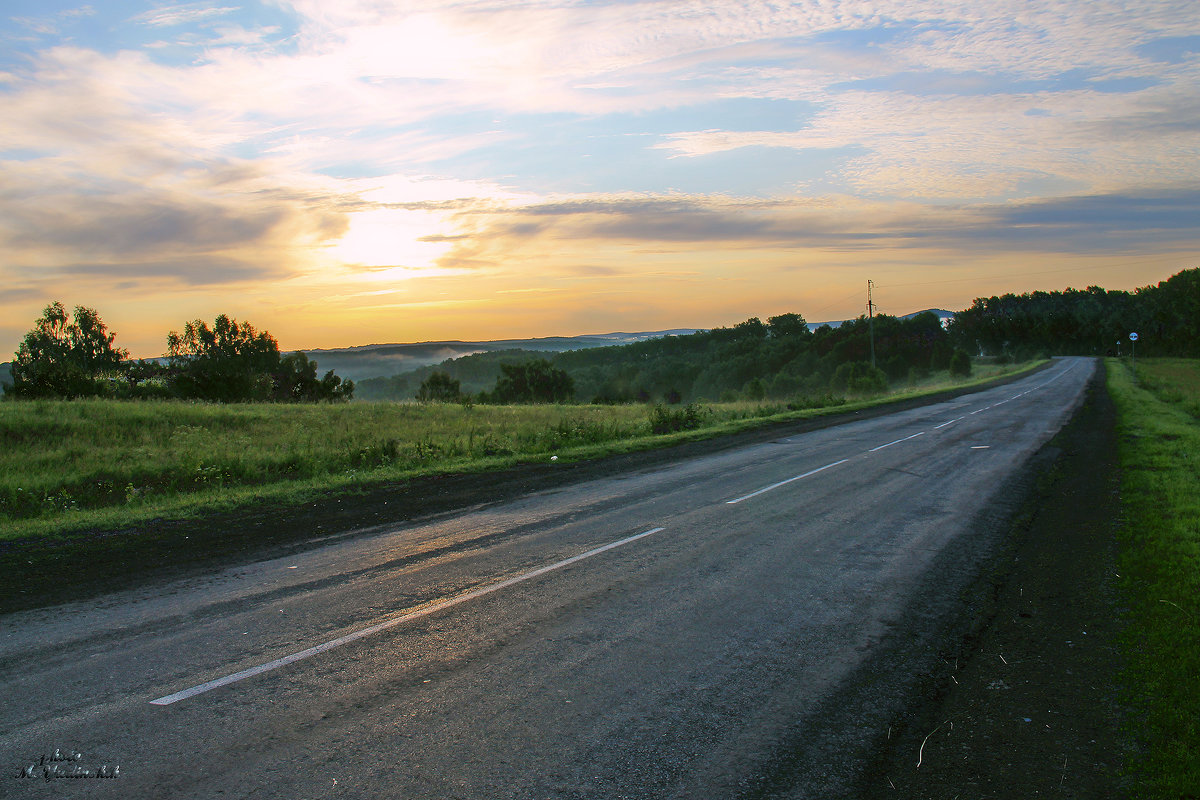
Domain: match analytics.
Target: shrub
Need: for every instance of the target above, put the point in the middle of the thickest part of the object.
(859, 377)
(536, 381)
(960, 364)
(440, 388)
(664, 419)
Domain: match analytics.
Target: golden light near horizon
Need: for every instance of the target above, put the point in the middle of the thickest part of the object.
(389, 238)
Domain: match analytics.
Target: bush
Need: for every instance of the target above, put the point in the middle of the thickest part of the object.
(440, 388)
(536, 381)
(815, 401)
(669, 420)
(858, 377)
(960, 364)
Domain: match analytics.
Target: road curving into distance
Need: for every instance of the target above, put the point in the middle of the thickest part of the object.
(747, 623)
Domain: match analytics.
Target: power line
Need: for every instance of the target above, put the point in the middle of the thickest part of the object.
(852, 295)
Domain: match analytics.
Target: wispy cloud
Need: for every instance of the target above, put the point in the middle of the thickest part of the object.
(1099, 224)
(181, 14)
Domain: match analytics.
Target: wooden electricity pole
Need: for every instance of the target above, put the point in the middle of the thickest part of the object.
(871, 321)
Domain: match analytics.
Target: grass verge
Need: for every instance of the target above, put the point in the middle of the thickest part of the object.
(1159, 442)
(96, 465)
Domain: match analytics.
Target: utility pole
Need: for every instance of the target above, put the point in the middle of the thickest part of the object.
(871, 321)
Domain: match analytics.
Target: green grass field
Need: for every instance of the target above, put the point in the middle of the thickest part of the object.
(1159, 434)
(70, 466)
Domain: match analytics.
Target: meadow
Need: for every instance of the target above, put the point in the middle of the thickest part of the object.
(1158, 406)
(95, 464)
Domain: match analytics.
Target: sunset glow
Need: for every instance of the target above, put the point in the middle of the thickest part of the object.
(360, 171)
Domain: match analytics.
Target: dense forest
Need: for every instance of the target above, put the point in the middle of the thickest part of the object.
(1088, 322)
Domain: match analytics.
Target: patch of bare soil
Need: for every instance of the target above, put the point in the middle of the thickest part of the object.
(1026, 706)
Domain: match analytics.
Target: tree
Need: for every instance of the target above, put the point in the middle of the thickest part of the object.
(333, 387)
(960, 364)
(296, 381)
(230, 362)
(755, 389)
(145, 379)
(440, 388)
(64, 356)
(536, 381)
(788, 325)
(296, 378)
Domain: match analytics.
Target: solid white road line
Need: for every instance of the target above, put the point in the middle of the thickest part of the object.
(391, 623)
(898, 441)
(784, 483)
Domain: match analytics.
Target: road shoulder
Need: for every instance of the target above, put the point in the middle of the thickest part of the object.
(1024, 703)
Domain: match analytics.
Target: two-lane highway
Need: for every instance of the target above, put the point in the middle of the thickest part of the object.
(688, 631)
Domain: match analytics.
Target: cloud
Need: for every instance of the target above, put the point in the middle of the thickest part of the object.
(1170, 114)
(188, 271)
(987, 146)
(1097, 224)
(584, 141)
(52, 24)
(41, 26)
(97, 181)
(181, 14)
(1100, 222)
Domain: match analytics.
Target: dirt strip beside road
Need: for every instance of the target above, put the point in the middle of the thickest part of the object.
(1028, 705)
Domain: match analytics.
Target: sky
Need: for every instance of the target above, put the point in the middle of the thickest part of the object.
(369, 171)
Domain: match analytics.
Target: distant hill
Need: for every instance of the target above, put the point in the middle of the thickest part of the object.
(942, 314)
(685, 365)
(384, 360)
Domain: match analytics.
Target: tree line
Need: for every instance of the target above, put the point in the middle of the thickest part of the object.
(782, 359)
(1087, 322)
(74, 355)
(779, 359)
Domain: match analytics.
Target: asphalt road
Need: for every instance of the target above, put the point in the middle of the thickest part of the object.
(744, 624)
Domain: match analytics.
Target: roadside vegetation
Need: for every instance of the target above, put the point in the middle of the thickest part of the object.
(101, 464)
(781, 357)
(1158, 405)
(73, 355)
